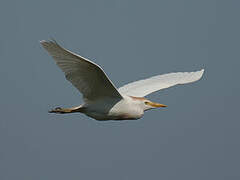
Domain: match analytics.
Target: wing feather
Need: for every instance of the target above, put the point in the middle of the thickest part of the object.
(144, 87)
(86, 76)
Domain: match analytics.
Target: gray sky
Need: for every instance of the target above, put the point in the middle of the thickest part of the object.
(196, 137)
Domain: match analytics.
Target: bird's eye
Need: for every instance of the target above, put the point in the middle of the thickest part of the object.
(146, 102)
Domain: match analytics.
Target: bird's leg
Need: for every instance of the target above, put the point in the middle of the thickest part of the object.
(60, 110)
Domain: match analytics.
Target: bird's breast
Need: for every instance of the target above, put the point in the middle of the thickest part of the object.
(107, 110)
(125, 110)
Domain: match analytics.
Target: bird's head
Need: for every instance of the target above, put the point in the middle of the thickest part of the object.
(147, 104)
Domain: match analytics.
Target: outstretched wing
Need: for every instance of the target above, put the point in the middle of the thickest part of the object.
(144, 87)
(86, 76)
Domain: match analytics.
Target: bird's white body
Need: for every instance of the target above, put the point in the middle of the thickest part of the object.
(103, 101)
(109, 109)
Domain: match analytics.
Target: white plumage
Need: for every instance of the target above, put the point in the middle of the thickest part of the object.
(102, 100)
(144, 87)
(85, 75)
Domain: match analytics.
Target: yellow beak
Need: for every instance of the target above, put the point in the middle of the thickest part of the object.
(155, 105)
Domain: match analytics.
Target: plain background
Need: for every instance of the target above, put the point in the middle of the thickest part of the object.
(196, 137)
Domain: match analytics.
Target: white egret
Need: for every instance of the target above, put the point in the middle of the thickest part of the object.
(102, 100)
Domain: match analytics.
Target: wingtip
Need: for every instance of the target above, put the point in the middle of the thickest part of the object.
(42, 41)
(52, 40)
(202, 71)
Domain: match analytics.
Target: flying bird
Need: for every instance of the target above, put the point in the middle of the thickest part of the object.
(102, 100)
